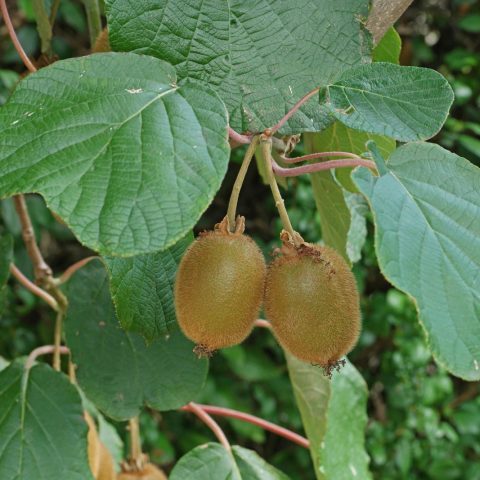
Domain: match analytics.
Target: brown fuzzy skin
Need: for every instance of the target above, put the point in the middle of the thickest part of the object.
(102, 43)
(312, 302)
(149, 472)
(99, 457)
(219, 289)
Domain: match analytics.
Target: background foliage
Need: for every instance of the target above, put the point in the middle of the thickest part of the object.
(423, 423)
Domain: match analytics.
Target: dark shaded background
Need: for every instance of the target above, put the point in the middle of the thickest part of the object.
(424, 423)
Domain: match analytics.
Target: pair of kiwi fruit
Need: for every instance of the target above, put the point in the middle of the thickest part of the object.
(308, 291)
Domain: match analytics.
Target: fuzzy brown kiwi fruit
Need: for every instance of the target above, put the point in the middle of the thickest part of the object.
(312, 302)
(148, 472)
(99, 458)
(94, 445)
(102, 43)
(219, 288)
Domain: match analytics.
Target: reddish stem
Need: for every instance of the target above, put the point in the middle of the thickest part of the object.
(262, 323)
(318, 167)
(66, 275)
(260, 422)
(44, 350)
(293, 110)
(16, 43)
(29, 285)
(209, 422)
(238, 137)
(313, 156)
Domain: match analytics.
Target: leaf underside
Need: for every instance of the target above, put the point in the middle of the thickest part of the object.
(426, 210)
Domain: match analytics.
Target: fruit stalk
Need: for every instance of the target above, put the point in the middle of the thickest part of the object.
(209, 422)
(237, 186)
(266, 146)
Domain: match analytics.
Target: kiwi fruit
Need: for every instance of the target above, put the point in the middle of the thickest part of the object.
(312, 302)
(219, 288)
(148, 472)
(94, 445)
(107, 465)
(102, 43)
(99, 458)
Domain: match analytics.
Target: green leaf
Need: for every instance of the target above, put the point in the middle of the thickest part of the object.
(142, 290)
(357, 233)
(470, 23)
(253, 467)
(472, 144)
(389, 48)
(43, 435)
(427, 237)
(333, 211)
(115, 369)
(124, 155)
(261, 57)
(6, 257)
(405, 103)
(334, 417)
(342, 218)
(213, 461)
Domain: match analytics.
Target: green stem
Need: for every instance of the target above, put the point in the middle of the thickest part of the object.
(237, 186)
(43, 26)
(53, 11)
(94, 20)
(57, 340)
(266, 146)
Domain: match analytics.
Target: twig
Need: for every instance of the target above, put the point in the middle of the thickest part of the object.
(313, 156)
(262, 323)
(232, 204)
(67, 274)
(57, 339)
(136, 456)
(44, 350)
(318, 167)
(29, 285)
(266, 146)
(246, 417)
(209, 422)
(237, 137)
(293, 110)
(41, 270)
(13, 36)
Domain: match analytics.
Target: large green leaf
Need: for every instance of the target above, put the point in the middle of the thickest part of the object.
(341, 215)
(334, 417)
(405, 103)
(142, 290)
(117, 370)
(43, 435)
(128, 158)
(213, 461)
(426, 208)
(260, 56)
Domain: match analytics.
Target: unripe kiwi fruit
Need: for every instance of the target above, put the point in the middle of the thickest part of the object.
(219, 288)
(312, 302)
(148, 472)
